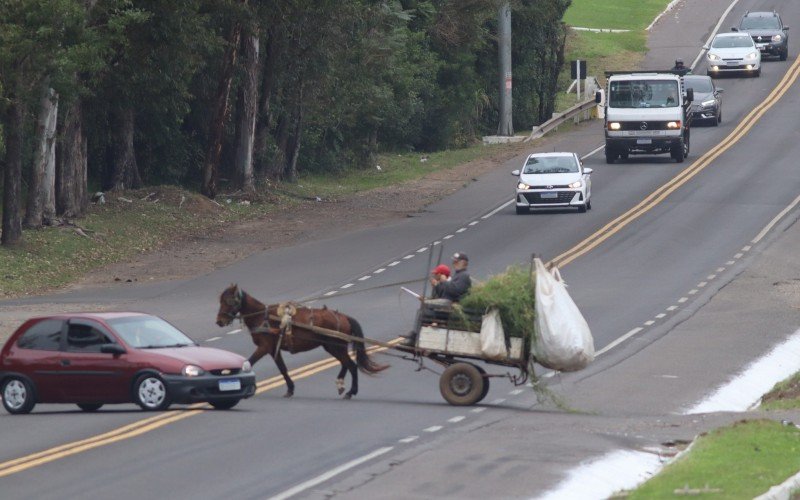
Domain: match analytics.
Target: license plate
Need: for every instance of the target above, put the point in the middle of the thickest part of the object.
(231, 384)
(761, 45)
(644, 141)
(733, 63)
(549, 195)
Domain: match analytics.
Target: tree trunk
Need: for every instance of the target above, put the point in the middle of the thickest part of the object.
(248, 103)
(12, 206)
(264, 117)
(41, 190)
(291, 164)
(71, 179)
(125, 171)
(210, 168)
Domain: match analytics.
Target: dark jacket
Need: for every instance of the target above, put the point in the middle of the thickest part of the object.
(455, 288)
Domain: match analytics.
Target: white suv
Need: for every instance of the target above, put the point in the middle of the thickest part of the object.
(553, 180)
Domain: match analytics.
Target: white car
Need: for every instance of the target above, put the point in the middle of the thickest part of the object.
(733, 53)
(553, 180)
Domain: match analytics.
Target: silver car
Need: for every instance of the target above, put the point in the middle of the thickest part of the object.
(733, 53)
(553, 180)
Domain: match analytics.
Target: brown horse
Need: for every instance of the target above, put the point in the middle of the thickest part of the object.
(270, 336)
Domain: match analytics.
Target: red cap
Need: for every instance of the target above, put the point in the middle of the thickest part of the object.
(442, 269)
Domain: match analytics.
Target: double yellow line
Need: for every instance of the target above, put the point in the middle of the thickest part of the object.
(684, 176)
(151, 423)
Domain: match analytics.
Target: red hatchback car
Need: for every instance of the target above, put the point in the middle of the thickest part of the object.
(92, 359)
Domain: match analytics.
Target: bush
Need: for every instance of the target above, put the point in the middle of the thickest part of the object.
(512, 292)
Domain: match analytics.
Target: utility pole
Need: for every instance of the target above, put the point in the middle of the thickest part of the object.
(506, 126)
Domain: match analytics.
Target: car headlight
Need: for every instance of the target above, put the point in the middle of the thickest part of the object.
(713, 57)
(576, 184)
(674, 125)
(751, 55)
(777, 38)
(708, 103)
(523, 186)
(246, 367)
(614, 126)
(192, 371)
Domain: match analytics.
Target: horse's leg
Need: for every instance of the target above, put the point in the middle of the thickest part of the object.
(340, 379)
(353, 373)
(282, 367)
(261, 350)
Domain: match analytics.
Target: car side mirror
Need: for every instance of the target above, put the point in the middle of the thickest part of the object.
(587, 170)
(706, 47)
(114, 349)
(719, 91)
(598, 97)
(515, 173)
(734, 28)
(785, 28)
(689, 95)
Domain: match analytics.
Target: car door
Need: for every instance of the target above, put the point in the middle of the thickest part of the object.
(88, 374)
(37, 354)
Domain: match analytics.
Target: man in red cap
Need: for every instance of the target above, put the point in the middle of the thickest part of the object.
(458, 285)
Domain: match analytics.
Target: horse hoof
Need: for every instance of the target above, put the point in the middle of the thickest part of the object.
(347, 396)
(288, 394)
(341, 390)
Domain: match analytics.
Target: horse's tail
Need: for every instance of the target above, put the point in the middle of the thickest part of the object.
(363, 361)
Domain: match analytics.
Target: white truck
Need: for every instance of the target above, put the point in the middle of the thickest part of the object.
(646, 113)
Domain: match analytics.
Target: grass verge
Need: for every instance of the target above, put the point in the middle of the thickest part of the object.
(739, 461)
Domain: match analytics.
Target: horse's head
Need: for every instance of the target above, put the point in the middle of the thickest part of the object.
(230, 304)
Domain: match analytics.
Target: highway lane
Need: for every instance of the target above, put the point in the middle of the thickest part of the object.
(383, 313)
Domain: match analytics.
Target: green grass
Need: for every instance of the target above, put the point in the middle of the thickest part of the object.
(512, 292)
(740, 461)
(784, 396)
(614, 14)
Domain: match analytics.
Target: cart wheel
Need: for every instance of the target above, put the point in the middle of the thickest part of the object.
(485, 384)
(461, 384)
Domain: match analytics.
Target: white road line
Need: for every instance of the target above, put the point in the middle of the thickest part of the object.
(682, 300)
(702, 284)
(672, 308)
(774, 221)
(720, 269)
(436, 243)
(448, 237)
(693, 291)
(363, 278)
(738, 256)
(461, 230)
(347, 285)
(456, 420)
(620, 340)
(394, 263)
(433, 428)
(730, 262)
(409, 439)
(379, 271)
(330, 474)
(328, 294)
(660, 315)
(504, 205)
(746, 248)
(473, 223)
(711, 277)
(498, 401)
(234, 332)
(423, 249)
(515, 392)
(478, 410)
(590, 153)
(408, 257)
(649, 322)
(212, 339)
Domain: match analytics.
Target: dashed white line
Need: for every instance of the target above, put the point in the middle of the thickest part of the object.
(682, 300)
(711, 277)
(504, 205)
(473, 223)
(478, 410)
(212, 339)
(436, 243)
(693, 291)
(394, 263)
(497, 401)
(234, 332)
(363, 278)
(702, 284)
(720, 269)
(423, 249)
(730, 263)
(461, 230)
(660, 315)
(408, 257)
(448, 236)
(456, 420)
(347, 285)
(620, 340)
(649, 322)
(672, 308)
(433, 428)
(331, 473)
(515, 392)
(738, 256)
(379, 271)
(746, 248)
(328, 294)
(409, 439)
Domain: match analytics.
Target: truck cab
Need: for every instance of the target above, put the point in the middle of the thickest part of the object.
(647, 113)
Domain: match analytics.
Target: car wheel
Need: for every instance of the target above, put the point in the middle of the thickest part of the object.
(589, 204)
(611, 155)
(150, 392)
(785, 55)
(523, 210)
(623, 155)
(226, 404)
(18, 396)
(719, 118)
(582, 209)
(89, 406)
(757, 73)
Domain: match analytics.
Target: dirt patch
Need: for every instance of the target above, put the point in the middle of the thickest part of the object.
(307, 220)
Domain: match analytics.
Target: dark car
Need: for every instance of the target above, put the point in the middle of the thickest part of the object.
(92, 359)
(707, 103)
(768, 32)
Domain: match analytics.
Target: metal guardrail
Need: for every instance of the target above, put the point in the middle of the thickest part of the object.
(560, 118)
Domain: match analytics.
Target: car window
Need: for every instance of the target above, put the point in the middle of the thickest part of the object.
(760, 23)
(44, 335)
(732, 42)
(550, 165)
(85, 338)
(149, 332)
(700, 85)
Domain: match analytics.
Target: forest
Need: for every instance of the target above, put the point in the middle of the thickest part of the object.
(222, 95)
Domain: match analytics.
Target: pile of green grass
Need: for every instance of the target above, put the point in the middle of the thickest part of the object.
(512, 292)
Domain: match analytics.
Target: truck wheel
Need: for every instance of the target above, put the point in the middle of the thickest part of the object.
(677, 153)
(611, 155)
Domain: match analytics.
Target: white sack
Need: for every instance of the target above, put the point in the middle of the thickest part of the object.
(562, 340)
(493, 339)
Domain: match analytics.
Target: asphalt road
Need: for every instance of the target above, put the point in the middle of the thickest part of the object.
(668, 270)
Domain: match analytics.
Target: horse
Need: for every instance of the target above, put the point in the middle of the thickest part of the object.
(271, 336)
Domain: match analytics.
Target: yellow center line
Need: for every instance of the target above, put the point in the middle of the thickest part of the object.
(683, 177)
(151, 423)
